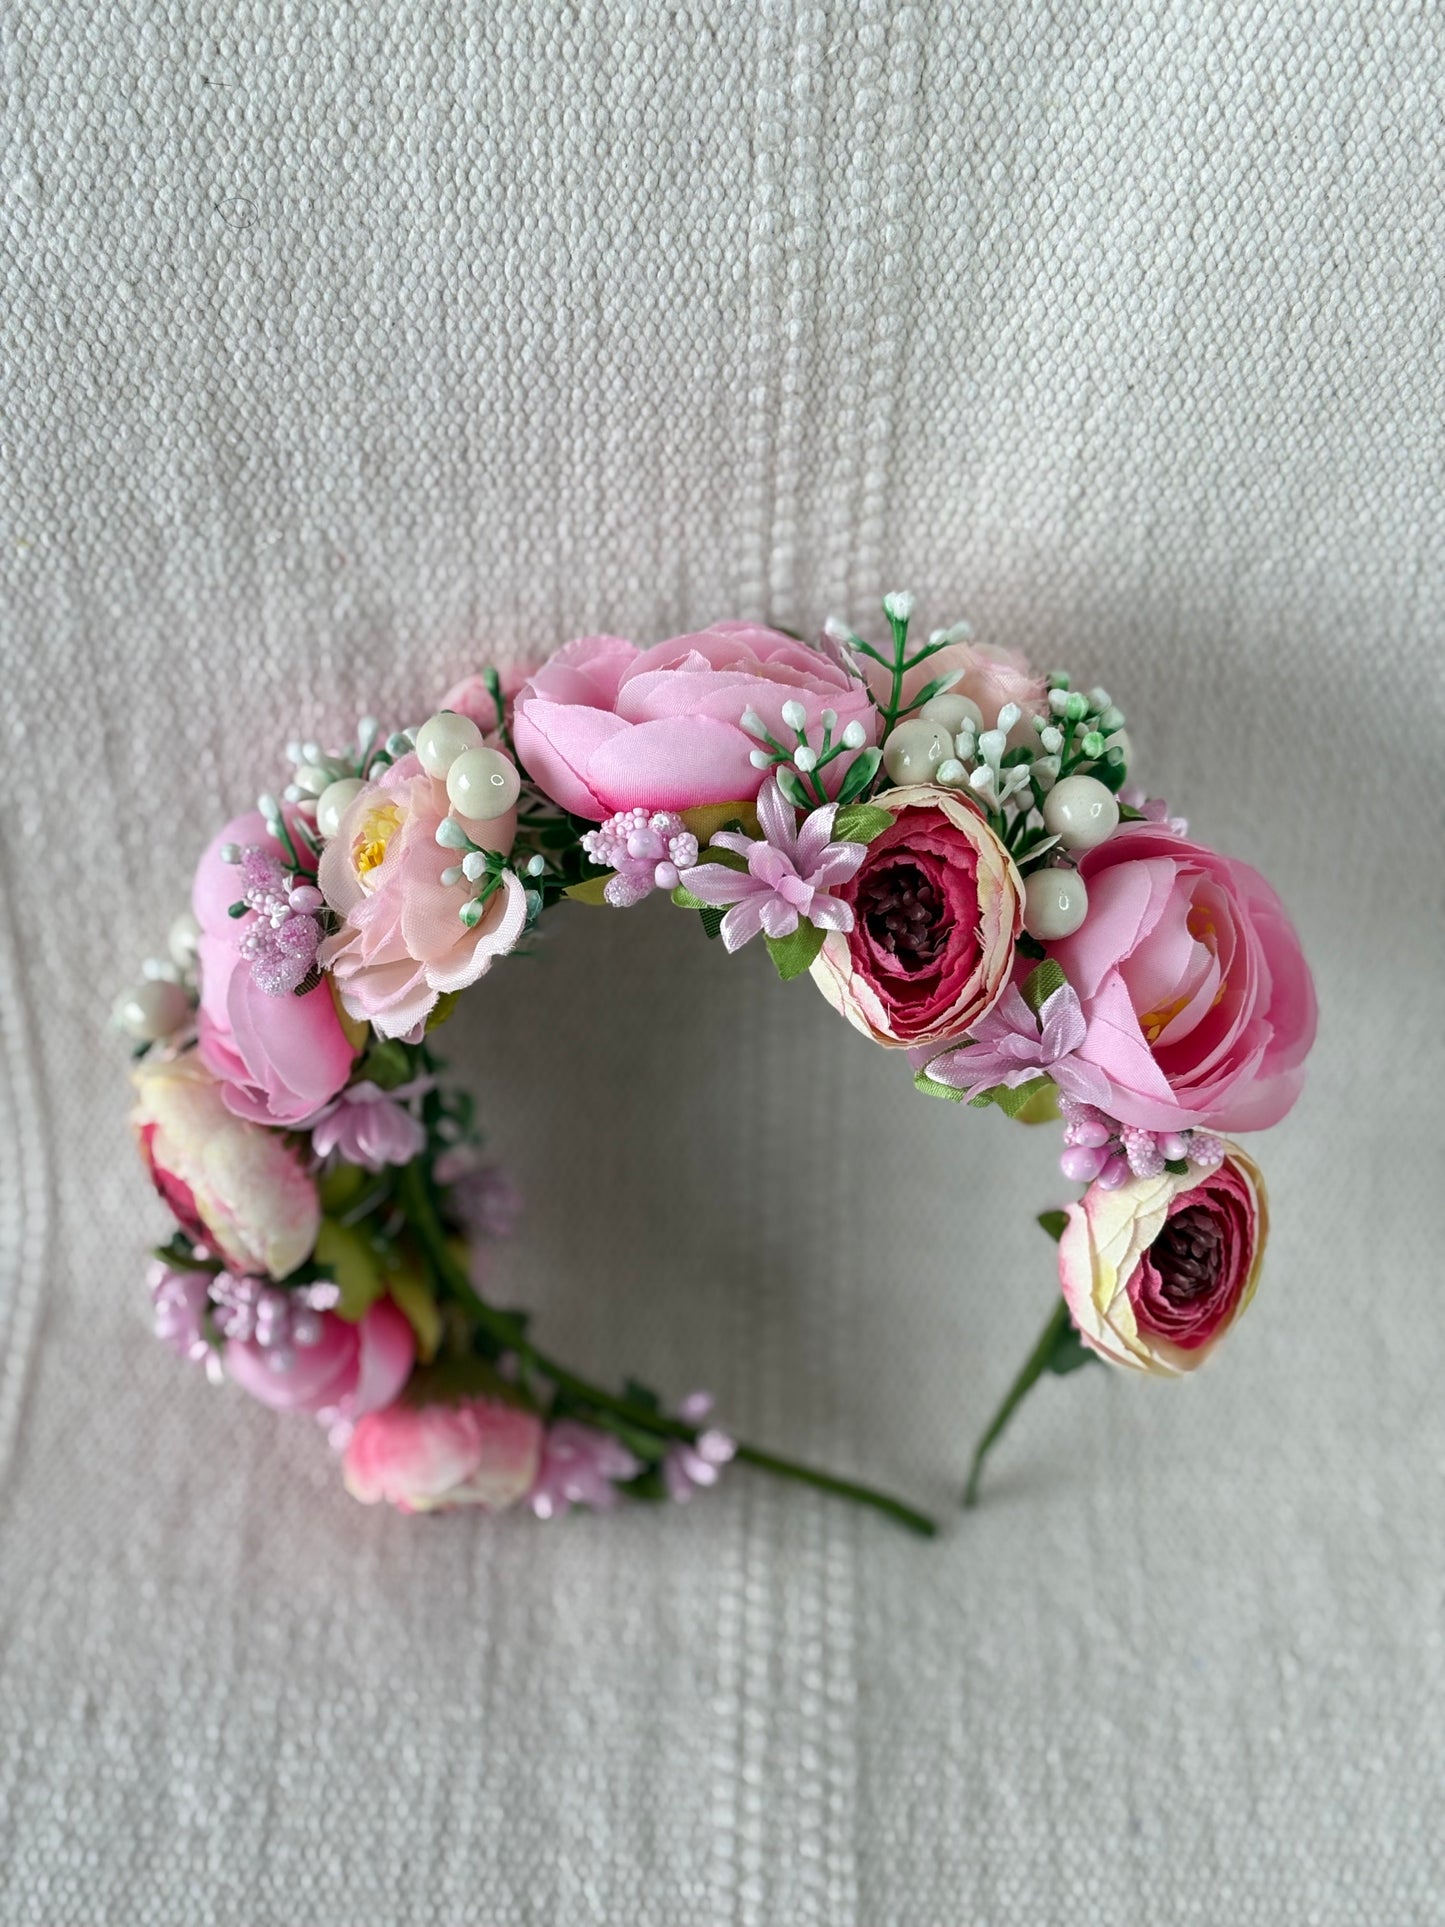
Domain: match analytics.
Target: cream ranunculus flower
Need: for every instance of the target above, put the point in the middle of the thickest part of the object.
(1156, 1271)
(235, 1185)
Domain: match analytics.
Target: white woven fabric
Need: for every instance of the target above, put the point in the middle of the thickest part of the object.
(344, 344)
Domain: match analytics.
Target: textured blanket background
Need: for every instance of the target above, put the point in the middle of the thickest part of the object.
(346, 344)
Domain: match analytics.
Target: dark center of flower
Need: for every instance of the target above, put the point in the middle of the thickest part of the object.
(1188, 1255)
(903, 913)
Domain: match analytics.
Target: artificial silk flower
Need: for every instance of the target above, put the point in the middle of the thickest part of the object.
(402, 944)
(604, 726)
(792, 873)
(937, 906)
(1157, 1270)
(231, 1184)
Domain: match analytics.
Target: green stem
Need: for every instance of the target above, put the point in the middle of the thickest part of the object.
(415, 1198)
(1034, 1367)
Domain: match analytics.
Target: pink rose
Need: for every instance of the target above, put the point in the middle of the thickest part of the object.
(429, 1458)
(1199, 1003)
(352, 1369)
(988, 677)
(1156, 1271)
(605, 726)
(279, 1058)
(402, 943)
(233, 1185)
(937, 908)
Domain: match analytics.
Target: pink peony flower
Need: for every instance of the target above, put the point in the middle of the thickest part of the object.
(347, 1369)
(1157, 1270)
(429, 1458)
(279, 1058)
(604, 726)
(402, 942)
(937, 908)
(231, 1184)
(1199, 1003)
(988, 677)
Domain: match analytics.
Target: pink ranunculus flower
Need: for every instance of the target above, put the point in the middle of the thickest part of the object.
(429, 1458)
(1199, 1003)
(350, 1370)
(231, 1184)
(988, 677)
(402, 942)
(1157, 1270)
(937, 908)
(605, 726)
(471, 696)
(279, 1057)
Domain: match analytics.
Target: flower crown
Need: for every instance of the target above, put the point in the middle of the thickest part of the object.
(945, 841)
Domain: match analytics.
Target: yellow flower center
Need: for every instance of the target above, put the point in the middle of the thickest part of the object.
(374, 833)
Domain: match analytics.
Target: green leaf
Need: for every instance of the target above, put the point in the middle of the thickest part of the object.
(1041, 983)
(793, 955)
(1112, 775)
(445, 1004)
(1054, 1222)
(930, 1087)
(1177, 1165)
(592, 891)
(861, 822)
(712, 915)
(934, 688)
(860, 774)
(1011, 1102)
(353, 1263)
(387, 1063)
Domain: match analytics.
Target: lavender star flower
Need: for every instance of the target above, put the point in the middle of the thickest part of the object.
(790, 871)
(580, 1466)
(371, 1127)
(1011, 1045)
(687, 1469)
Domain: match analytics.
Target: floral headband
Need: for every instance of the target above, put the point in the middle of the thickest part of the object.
(944, 841)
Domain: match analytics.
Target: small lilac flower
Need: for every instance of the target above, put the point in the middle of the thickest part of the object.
(178, 1304)
(648, 851)
(483, 1196)
(369, 1126)
(580, 1466)
(1011, 1045)
(789, 873)
(689, 1468)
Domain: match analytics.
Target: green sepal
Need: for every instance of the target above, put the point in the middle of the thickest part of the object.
(1041, 983)
(180, 1255)
(1068, 1353)
(793, 955)
(445, 1004)
(861, 822)
(593, 890)
(860, 774)
(1054, 1222)
(1011, 1102)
